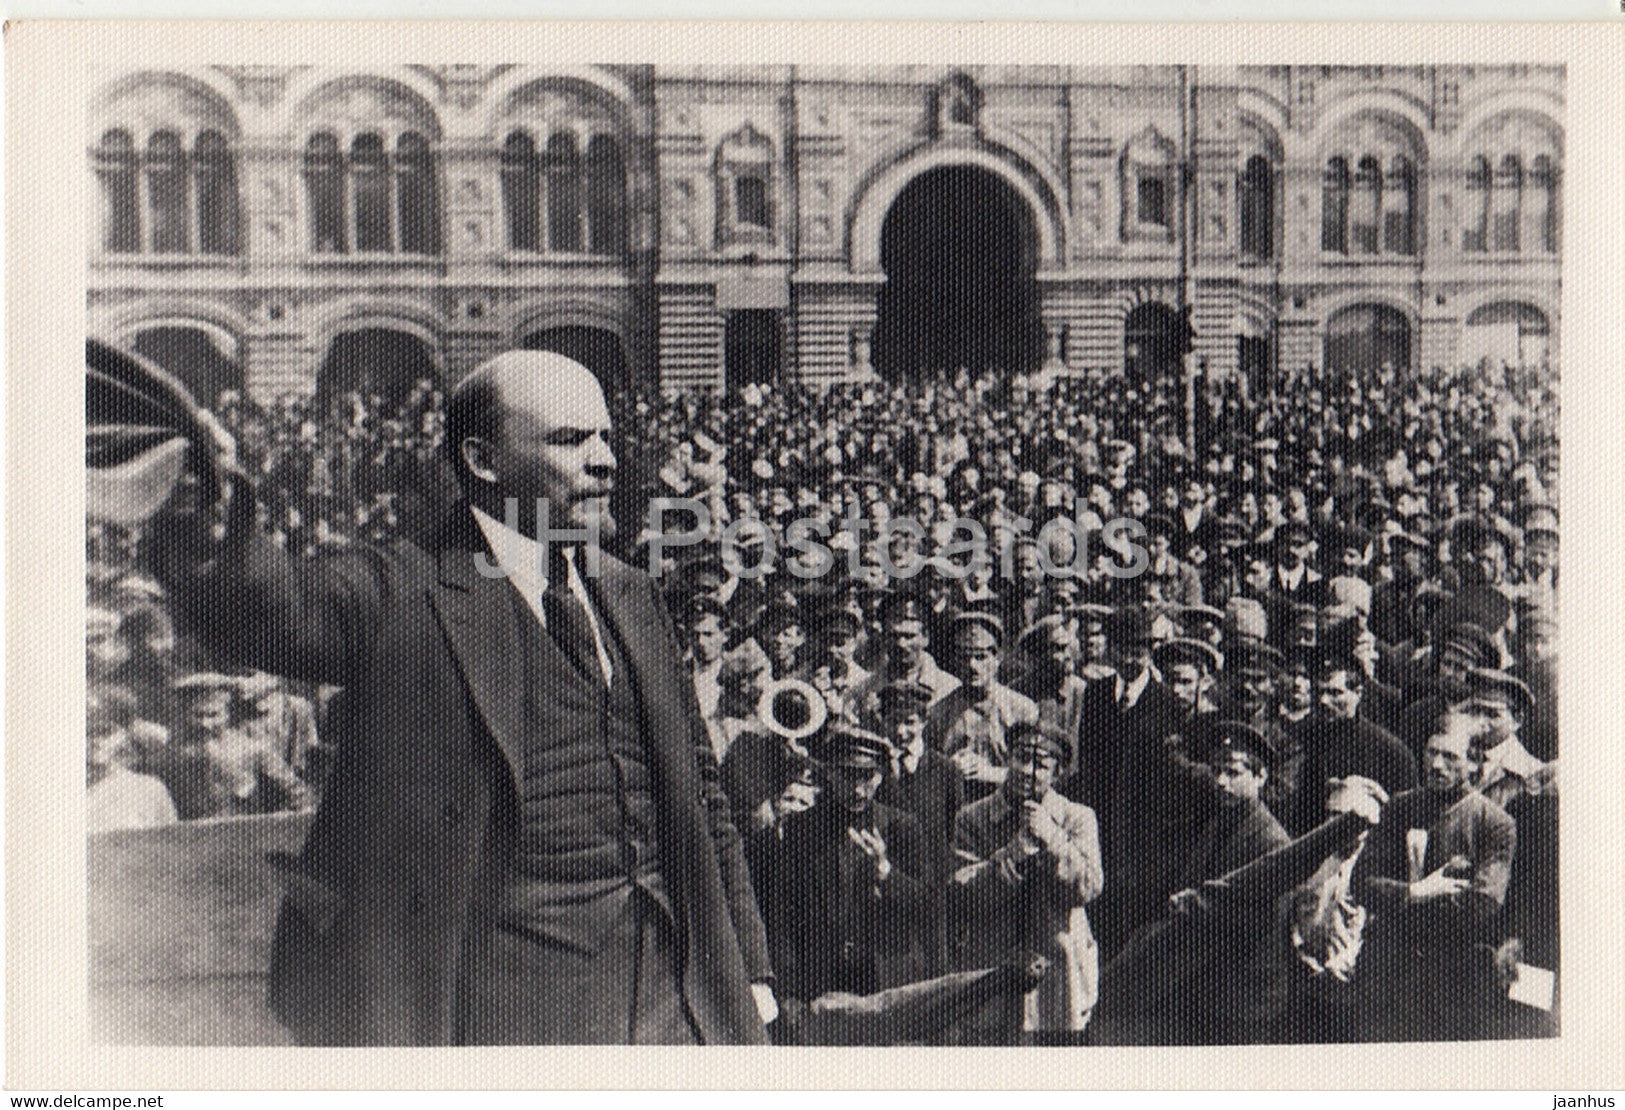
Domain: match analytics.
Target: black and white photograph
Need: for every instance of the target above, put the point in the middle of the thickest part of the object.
(831, 554)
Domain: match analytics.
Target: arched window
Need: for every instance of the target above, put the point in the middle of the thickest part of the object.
(169, 193)
(563, 193)
(606, 196)
(369, 190)
(384, 361)
(1256, 189)
(1334, 207)
(118, 166)
(324, 187)
(1540, 201)
(1365, 206)
(218, 219)
(1475, 210)
(416, 195)
(522, 192)
(1399, 207)
(1507, 201)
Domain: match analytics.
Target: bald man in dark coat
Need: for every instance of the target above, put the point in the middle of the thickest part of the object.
(522, 838)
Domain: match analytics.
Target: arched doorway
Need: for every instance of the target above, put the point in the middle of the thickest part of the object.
(370, 361)
(194, 357)
(1365, 338)
(598, 349)
(959, 250)
(752, 347)
(1151, 336)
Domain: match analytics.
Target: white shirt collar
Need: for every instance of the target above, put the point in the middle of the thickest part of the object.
(521, 558)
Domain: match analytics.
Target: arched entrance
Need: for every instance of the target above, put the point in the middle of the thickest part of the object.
(959, 250)
(369, 361)
(1151, 336)
(1365, 338)
(194, 357)
(598, 349)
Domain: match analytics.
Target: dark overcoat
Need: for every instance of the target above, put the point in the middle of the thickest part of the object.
(391, 900)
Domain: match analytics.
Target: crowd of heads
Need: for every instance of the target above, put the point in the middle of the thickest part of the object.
(1425, 501)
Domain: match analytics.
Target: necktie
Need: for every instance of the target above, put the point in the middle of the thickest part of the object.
(568, 623)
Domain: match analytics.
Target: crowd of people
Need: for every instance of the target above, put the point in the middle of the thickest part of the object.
(1330, 621)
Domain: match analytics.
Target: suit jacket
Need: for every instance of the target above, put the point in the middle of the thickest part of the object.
(393, 895)
(1106, 730)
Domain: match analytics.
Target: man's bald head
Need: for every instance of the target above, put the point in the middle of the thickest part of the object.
(476, 404)
(529, 424)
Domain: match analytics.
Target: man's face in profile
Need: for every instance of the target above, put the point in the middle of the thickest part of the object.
(552, 442)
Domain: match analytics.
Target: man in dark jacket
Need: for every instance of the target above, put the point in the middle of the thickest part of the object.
(1234, 1006)
(1434, 874)
(843, 889)
(522, 838)
(1340, 743)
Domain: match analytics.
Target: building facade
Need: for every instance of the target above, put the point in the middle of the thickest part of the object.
(312, 230)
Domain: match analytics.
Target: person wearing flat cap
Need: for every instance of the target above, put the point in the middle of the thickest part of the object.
(844, 892)
(1049, 650)
(970, 724)
(906, 624)
(1504, 767)
(1295, 580)
(1029, 864)
(1434, 873)
(1235, 1005)
(782, 634)
(1410, 558)
(1094, 650)
(1161, 797)
(1026, 599)
(704, 625)
(1537, 668)
(1130, 708)
(1202, 622)
(1242, 828)
(1340, 742)
(1458, 648)
(921, 780)
(1538, 572)
(1250, 672)
(832, 666)
(1189, 667)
